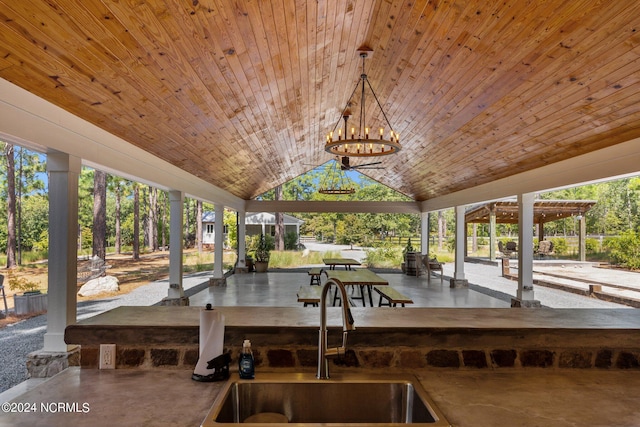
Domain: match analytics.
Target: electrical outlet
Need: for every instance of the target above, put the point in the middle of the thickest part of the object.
(107, 356)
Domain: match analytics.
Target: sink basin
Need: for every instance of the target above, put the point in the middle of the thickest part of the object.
(341, 400)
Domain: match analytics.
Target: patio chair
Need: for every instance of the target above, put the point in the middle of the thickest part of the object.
(545, 248)
(509, 249)
(432, 264)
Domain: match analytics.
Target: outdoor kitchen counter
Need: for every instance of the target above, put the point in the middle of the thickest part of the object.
(466, 397)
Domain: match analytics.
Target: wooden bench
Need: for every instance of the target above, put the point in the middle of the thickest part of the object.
(310, 295)
(315, 276)
(392, 296)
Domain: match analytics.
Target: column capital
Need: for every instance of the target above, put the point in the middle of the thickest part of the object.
(63, 162)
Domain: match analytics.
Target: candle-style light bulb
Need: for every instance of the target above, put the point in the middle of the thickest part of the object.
(381, 132)
(353, 132)
(366, 133)
(339, 134)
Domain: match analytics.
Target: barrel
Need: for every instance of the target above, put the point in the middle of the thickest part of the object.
(411, 263)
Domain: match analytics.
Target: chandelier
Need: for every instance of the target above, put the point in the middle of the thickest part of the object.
(359, 141)
(335, 181)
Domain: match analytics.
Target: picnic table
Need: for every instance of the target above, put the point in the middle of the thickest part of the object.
(346, 262)
(363, 278)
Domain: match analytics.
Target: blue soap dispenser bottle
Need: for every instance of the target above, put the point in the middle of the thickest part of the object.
(246, 363)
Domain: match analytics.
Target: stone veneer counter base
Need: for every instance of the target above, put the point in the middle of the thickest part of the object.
(394, 338)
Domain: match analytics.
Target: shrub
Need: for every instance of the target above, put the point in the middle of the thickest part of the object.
(592, 245)
(22, 284)
(386, 255)
(291, 241)
(560, 246)
(625, 249)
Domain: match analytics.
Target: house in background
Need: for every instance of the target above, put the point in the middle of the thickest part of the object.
(265, 223)
(208, 229)
(257, 223)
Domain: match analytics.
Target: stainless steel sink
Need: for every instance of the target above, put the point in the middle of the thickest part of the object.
(343, 399)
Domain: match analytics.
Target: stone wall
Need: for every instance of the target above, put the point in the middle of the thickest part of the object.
(389, 338)
(397, 358)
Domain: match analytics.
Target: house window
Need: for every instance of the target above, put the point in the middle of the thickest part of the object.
(211, 229)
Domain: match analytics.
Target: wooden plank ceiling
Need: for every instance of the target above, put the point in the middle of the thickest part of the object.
(241, 93)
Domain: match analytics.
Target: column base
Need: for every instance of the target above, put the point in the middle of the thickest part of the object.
(221, 281)
(45, 364)
(458, 283)
(525, 303)
(242, 270)
(175, 302)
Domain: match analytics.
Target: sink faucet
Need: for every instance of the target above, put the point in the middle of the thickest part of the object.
(325, 354)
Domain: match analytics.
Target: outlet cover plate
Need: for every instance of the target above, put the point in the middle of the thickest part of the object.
(107, 356)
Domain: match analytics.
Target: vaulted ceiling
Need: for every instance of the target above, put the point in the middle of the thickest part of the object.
(241, 93)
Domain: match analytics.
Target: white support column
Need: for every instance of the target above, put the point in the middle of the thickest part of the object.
(219, 242)
(176, 242)
(458, 280)
(242, 250)
(525, 296)
(63, 172)
(492, 233)
(424, 233)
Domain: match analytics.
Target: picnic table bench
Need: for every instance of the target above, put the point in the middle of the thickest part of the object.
(392, 296)
(315, 276)
(310, 295)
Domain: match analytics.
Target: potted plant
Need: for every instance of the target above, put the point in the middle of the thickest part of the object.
(31, 300)
(409, 256)
(261, 255)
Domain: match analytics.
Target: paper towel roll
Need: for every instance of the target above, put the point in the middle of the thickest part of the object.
(211, 339)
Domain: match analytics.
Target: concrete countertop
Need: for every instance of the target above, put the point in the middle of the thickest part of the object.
(381, 317)
(525, 398)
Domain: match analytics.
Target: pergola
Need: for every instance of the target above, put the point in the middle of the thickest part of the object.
(507, 212)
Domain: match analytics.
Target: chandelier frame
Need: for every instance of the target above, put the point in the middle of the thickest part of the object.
(361, 142)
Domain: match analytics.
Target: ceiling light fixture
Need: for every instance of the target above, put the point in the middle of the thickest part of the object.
(335, 181)
(359, 141)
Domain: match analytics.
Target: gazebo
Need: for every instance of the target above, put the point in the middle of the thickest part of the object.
(506, 212)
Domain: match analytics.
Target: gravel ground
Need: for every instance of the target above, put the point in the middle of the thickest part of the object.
(20, 339)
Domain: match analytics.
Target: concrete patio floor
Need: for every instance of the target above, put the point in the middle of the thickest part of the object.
(487, 288)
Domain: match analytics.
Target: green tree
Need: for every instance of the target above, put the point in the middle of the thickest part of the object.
(99, 229)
